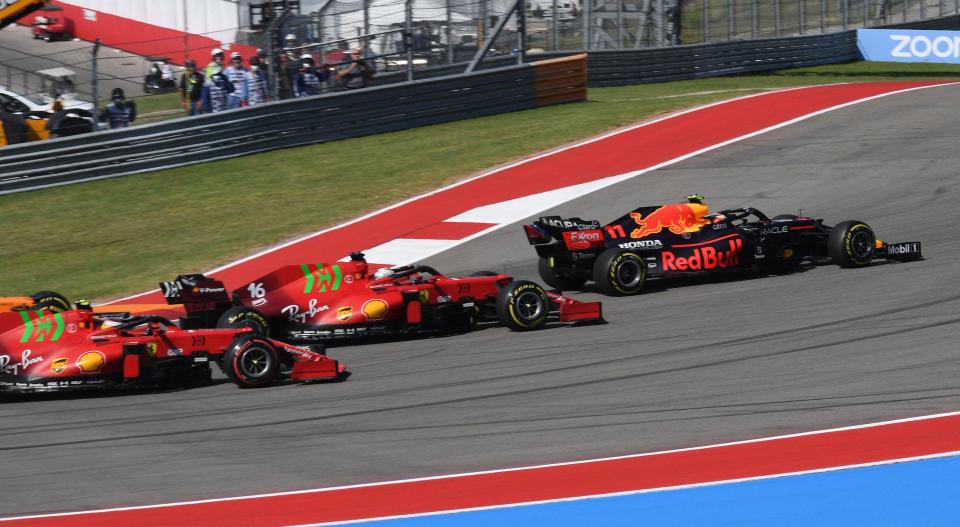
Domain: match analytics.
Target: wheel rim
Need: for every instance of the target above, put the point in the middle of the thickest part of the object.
(256, 362)
(528, 305)
(861, 245)
(629, 274)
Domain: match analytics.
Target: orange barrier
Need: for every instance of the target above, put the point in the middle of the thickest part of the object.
(561, 80)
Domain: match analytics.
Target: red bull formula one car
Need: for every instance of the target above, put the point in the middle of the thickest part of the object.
(683, 238)
(46, 350)
(323, 302)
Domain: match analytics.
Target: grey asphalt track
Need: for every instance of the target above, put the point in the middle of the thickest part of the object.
(686, 364)
(21, 52)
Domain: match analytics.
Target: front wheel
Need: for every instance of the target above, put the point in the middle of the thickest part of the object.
(851, 244)
(619, 273)
(555, 280)
(244, 317)
(251, 362)
(522, 305)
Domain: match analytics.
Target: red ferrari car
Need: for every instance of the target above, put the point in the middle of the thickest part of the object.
(345, 300)
(50, 350)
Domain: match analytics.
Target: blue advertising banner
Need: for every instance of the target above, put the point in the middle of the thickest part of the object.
(909, 45)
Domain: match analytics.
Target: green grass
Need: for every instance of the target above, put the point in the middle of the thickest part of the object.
(113, 237)
(159, 102)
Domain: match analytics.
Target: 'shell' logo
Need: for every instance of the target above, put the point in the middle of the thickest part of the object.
(704, 258)
(677, 218)
(91, 362)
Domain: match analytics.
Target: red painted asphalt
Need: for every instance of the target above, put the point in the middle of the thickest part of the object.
(721, 463)
(631, 150)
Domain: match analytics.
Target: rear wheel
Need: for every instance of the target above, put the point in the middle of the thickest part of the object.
(50, 301)
(619, 273)
(851, 244)
(244, 317)
(522, 305)
(558, 281)
(251, 362)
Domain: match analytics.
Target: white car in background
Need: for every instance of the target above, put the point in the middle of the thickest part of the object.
(21, 104)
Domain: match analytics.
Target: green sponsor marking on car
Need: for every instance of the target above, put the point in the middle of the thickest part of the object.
(326, 279)
(306, 272)
(27, 327)
(41, 328)
(44, 327)
(59, 330)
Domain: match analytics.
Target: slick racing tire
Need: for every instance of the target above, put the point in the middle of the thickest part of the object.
(244, 317)
(851, 244)
(619, 273)
(522, 305)
(557, 281)
(252, 362)
(54, 302)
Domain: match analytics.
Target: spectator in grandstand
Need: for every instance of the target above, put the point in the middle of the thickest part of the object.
(119, 113)
(263, 61)
(14, 126)
(257, 92)
(238, 75)
(216, 93)
(310, 79)
(216, 63)
(356, 73)
(191, 89)
(286, 75)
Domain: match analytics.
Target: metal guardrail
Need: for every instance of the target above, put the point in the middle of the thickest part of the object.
(619, 68)
(290, 123)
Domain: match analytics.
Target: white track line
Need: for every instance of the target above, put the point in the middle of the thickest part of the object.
(516, 469)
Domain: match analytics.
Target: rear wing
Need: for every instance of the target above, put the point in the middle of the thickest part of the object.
(196, 292)
(548, 228)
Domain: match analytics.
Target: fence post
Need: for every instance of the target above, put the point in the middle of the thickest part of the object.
(844, 8)
(776, 17)
(706, 20)
(408, 37)
(556, 34)
(730, 18)
(823, 15)
(753, 18)
(366, 17)
(587, 23)
(923, 9)
(866, 12)
(521, 31)
(450, 58)
(95, 86)
(802, 16)
(619, 24)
